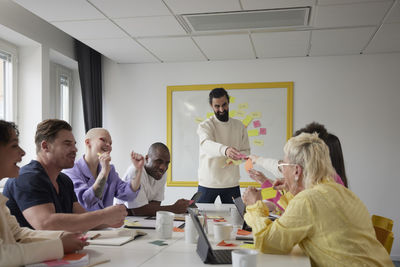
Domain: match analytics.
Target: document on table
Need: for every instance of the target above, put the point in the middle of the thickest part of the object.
(113, 237)
(137, 222)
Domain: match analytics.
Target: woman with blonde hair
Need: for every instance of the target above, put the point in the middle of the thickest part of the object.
(327, 220)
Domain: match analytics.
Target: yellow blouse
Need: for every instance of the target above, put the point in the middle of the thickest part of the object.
(20, 245)
(328, 221)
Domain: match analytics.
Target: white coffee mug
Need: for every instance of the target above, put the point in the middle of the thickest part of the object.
(235, 217)
(222, 231)
(244, 258)
(191, 234)
(164, 224)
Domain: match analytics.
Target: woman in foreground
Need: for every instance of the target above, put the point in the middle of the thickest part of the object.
(328, 221)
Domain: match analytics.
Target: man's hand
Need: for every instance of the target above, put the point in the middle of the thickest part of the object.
(180, 206)
(115, 215)
(137, 160)
(251, 196)
(233, 153)
(72, 242)
(257, 176)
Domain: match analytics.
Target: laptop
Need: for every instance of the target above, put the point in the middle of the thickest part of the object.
(241, 209)
(204, 250)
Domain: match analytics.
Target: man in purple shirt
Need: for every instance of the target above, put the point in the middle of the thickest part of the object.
(96, 182)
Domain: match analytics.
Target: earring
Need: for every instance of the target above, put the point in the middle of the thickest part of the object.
(296, 178)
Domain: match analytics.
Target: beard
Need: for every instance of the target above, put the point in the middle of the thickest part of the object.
(222, 116)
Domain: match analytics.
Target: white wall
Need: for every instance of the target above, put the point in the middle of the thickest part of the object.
(356, 97)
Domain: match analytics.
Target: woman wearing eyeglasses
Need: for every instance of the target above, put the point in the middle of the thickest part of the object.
(20, 246)
(328, 221)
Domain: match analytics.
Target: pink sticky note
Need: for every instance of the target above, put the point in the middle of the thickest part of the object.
(263, 131)
(256, 124)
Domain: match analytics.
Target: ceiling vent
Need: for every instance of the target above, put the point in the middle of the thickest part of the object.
(247, 20)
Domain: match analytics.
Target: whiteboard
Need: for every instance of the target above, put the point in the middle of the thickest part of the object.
(267, 105)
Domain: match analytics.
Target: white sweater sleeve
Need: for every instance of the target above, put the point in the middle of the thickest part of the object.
(207, 143)
(270, 165)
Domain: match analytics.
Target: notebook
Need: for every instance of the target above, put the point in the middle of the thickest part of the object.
(71, 260)
(204, 250)
(113, 237)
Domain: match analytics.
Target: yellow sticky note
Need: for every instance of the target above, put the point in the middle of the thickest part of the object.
(240, 113)
(210, 114)
(256, 115)
(198, 119)
(268, 193)
(247, 121)
(243, 105)
(258, 142)
(248, 246)
(252, 132)
(232, 113)
(232, 99)
(132, 223)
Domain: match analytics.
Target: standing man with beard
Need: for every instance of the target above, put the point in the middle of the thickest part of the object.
(43, 197)
(221, 138)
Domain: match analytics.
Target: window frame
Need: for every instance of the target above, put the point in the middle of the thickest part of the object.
(11, 92)
(62, 71)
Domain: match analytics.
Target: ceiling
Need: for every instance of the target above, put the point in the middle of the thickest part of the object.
(144, 31)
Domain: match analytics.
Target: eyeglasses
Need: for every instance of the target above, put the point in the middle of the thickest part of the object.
(280, 165)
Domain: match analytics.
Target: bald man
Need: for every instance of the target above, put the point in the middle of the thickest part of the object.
(96, 182)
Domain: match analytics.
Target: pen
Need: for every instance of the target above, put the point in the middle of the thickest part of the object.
(95, 236)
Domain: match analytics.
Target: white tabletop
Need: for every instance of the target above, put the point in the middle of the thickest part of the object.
(177, 253)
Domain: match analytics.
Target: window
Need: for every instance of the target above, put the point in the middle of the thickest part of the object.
(64, 82)
(5, 86)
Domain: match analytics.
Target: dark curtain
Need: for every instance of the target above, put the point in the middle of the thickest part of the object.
(89, 63)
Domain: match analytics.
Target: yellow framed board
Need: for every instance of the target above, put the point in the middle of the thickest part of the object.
(266, 109)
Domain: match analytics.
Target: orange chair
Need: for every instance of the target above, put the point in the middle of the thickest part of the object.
(383, 230)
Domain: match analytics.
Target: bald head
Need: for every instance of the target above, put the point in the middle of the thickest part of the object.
(99, 140)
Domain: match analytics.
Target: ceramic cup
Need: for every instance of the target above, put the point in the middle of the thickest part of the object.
(244, 258)
(191, 234)
(164, 224)
(222, 231)
(235, 217)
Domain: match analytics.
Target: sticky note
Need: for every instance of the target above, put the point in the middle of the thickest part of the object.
(249, 246)
(243, 232)
(232, 113)
(252, 132)
(198, 119)
(258, 142)
(240, 113)
(268, 193)
(263, 131)
(256, 123)
(232, 99)
(210, 114)
(243, 105)
(248, 165)
(159, 243)
(234, 162)
(247, 120)
(256, 115)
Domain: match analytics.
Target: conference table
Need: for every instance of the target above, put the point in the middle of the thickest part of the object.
(178, 253)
